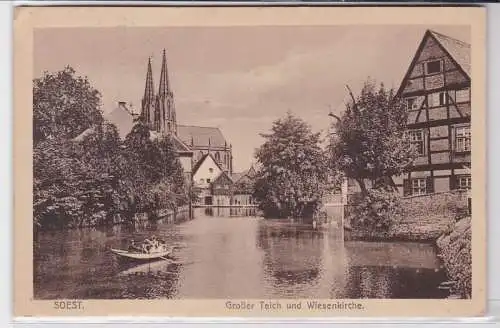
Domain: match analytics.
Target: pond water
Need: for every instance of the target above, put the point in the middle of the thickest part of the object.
(231, 253)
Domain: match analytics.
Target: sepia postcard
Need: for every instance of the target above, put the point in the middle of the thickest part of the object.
(250, 161)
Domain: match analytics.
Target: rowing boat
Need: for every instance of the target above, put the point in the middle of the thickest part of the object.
(143, 256)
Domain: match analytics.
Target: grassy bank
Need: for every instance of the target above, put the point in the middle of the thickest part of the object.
(454, 248)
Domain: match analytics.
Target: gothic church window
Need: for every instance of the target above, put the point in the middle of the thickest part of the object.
(217, 157)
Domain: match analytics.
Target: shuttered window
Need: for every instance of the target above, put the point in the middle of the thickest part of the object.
(418, 186)
(438, 99)
(417, 139)
(464, 182)
(462, 139)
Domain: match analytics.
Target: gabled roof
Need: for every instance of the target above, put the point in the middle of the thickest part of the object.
(457, 50)
(202, 159)
(221, 175)
(122, 118)
(239, 175)
(201, 136)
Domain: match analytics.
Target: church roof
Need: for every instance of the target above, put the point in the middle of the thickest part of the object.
(201, 136)
(458, 50)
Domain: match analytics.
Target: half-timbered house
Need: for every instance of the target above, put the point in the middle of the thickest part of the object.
(436, 89)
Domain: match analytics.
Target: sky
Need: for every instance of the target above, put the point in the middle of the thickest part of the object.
(239, 79)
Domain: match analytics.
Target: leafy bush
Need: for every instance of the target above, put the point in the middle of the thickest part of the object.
(378, 210)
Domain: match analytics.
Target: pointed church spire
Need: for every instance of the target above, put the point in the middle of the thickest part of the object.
(164, 83)
(209, 145)
(165, 101)
(147, 110)
(149, 89)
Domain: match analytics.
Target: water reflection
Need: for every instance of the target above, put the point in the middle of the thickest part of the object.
(231, 253)
(230, 211)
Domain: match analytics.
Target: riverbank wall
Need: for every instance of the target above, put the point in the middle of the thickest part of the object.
(180, 214)
(422, 218)
(454, 249)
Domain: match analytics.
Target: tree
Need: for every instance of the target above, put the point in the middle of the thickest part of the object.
(159, 169)
(293, 171)
(64, 105)
(370, 141)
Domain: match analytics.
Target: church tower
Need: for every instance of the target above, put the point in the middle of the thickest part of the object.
(148, 101)
(165, 107)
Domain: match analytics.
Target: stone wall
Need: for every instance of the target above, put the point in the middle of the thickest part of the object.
(454, 248)
(423, 218)
(451, 204)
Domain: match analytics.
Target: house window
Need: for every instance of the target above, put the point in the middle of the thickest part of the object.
(202, 180)
(439, 99)
(211, 170)
(411, 103)
(433, 67)
(208, 180)
(417, 140)
(464, 182)
(418, 187)
(462, 139)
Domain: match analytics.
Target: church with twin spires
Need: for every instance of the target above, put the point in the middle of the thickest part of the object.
(193, 142)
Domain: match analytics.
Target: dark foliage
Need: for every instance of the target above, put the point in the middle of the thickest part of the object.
(96, 178)
(293, 170)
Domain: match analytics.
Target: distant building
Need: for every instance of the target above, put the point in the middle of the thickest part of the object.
(222, 190)
(192, 142)
(203, 140)
(243, 187)
(205, 172)
(216, 187)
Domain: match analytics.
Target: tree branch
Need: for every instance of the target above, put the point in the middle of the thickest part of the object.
(352, 97)
(334, 116)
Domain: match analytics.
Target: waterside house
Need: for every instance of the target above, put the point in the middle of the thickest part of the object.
(436, 88)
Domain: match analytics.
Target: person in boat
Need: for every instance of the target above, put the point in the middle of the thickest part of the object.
(156, 243)
(133, 247)
(146, 247)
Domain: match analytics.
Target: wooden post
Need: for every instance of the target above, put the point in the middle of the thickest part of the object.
(343, 203)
